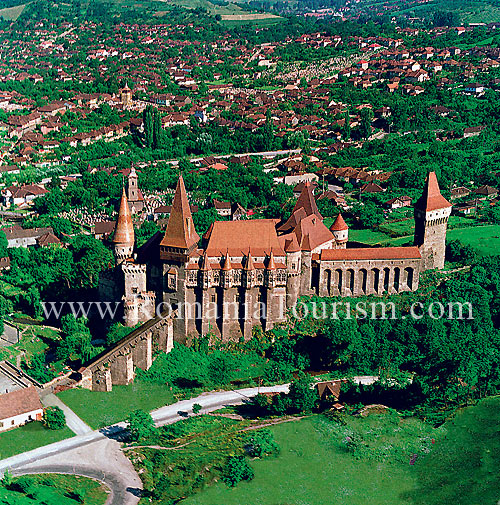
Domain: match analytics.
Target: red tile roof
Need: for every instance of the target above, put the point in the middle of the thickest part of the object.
(367, 253)
(19, 402)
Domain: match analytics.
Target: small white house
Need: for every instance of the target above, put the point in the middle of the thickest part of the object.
(19, 407)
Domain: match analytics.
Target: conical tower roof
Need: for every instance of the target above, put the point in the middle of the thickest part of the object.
(180, 232)
(205, 264)
(124, 228)
(339, 224)
(431, 198)
(307, 201)
(227, 263)
(249, 265)
(271, 265)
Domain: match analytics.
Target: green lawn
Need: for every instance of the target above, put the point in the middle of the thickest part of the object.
(485, 239)
(462, 468)
(52, 489)
(369, 237)
(313, 470)
(102, 409)
(28, 437)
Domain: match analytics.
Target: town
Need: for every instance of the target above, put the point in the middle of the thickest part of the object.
(184, 187)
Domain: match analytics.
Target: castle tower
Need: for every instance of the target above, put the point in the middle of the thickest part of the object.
(340, 231)
(134, 194)
(123, 238)
(176, 248)
(431, 212)
(180, 238)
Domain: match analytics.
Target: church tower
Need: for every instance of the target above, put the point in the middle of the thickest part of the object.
(134, 194)
(431, 212)
(123, 238)
(176, 248)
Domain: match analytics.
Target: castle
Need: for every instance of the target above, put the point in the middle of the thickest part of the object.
(248, 272)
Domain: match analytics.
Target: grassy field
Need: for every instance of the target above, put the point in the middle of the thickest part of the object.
(462, 468)
(102, 409)
(485, 239)
(12, 13)
(28, 437)
(312, 468)
(52, 488)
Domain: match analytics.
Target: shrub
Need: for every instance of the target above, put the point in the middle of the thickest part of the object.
(236, 470)
(261, 443)
(54, 418)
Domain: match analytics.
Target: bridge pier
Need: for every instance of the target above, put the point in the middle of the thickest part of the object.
(143, 352)
(101, 380)
(122, 370)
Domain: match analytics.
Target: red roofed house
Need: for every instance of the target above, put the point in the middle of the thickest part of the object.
(19, 400)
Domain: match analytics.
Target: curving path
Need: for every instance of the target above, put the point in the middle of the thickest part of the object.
(98, 454)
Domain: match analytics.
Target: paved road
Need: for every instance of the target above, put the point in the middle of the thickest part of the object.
(97, 455)
(102, 460)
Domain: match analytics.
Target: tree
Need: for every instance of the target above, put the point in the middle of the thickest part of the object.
(140, 425)
(301, 396)
(54, 418)
(370, 215)
(196, 408)
(365, 125)
(346, 128)
(3, 244)
(236, 470)
(147, 118)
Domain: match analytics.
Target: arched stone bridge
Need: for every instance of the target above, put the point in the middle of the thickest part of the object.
(115, 366)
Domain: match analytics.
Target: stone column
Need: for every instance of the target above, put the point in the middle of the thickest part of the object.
(205, 322)
(390, 288)
(356, 287)
(169, 328)
(122, 370)
(370, 279)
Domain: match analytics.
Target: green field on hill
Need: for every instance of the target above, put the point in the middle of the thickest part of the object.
(12, 13)
(313, 469)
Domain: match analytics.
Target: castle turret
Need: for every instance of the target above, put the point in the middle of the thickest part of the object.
(180, 238)
(432, 211)
(123, 238)
(340, 231)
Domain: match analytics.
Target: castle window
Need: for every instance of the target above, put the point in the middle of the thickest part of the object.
(172, 279)
(237, 298)
(260, 277)
(212, 298)
(134, 290)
